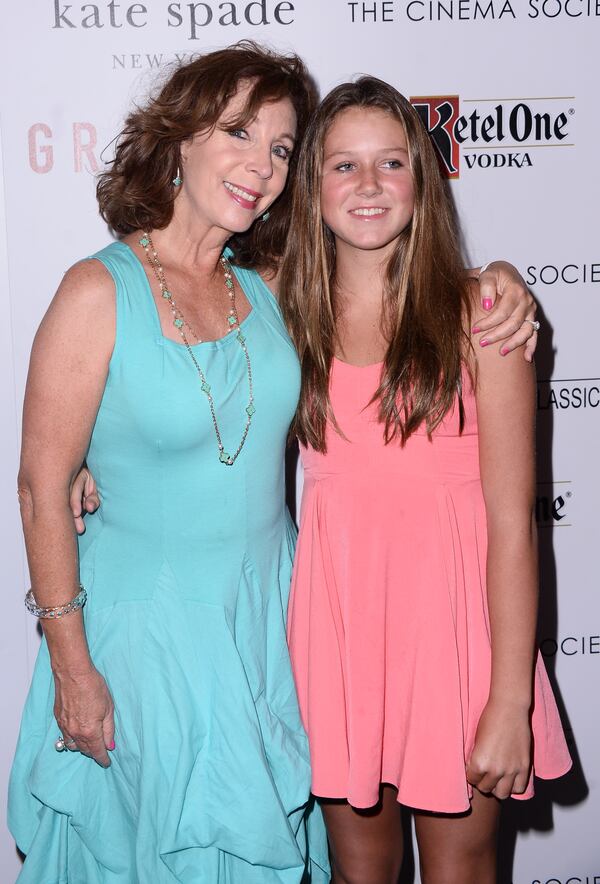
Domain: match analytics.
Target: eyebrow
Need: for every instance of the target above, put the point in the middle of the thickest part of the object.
(351, 152)
(224, 125)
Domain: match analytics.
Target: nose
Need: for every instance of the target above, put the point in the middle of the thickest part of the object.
(260, 161)
(368, 182)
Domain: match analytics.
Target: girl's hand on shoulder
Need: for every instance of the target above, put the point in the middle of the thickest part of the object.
(272, 279)
(500, 763)
(509, 310)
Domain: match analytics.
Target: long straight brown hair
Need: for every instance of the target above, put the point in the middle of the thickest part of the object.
(426, 295)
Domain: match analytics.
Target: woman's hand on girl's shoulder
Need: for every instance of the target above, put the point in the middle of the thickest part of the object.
(500, 763)
(506, 310)
(505, 388)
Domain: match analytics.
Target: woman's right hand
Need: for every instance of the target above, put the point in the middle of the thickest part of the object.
(83, 497)
(84, 711)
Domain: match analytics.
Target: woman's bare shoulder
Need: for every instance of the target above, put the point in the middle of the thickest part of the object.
(87, 281)
(83, 310)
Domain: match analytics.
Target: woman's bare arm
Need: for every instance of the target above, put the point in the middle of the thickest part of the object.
(67, 374)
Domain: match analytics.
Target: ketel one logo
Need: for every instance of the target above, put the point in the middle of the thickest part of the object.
(493, 133)
(552, 504)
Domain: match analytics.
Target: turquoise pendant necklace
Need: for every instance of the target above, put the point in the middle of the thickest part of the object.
(181, 324)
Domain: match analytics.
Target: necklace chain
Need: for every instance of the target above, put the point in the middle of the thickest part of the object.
(233, 325)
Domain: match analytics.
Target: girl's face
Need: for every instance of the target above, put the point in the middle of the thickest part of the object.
(367, 196)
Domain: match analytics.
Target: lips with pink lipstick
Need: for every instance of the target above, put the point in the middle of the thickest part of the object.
(368, 213)
(243, 196)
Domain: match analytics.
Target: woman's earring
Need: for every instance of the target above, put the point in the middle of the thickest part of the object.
(266, 216)
(178, 180)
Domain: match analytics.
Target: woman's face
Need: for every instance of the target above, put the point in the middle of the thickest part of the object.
(231, 176)
(367, 194)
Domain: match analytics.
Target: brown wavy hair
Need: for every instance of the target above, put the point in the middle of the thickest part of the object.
(426, 295)
(136, 191)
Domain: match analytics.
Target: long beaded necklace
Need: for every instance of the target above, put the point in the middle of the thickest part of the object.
(233, 325)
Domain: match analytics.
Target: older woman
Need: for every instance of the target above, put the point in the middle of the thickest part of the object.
(164, 361)
(172, 372)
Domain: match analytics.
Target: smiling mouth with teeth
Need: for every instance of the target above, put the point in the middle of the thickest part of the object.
(368, 213)
(251, 197)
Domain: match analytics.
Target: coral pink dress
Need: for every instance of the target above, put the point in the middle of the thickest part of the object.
(388, 621)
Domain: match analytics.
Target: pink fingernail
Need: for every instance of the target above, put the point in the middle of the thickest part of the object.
(487, 303)
(483, 343)
(112, 746)
(475, 329)
(504, 351)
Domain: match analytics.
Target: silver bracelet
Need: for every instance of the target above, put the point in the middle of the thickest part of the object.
(58, 611)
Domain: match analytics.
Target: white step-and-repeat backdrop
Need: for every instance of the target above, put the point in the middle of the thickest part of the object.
(510, 91)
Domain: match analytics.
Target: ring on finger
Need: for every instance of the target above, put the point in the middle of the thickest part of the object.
(71, 745)
(535, 323)
(60, 744)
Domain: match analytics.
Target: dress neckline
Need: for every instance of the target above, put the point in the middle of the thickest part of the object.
(339, 361)
(215, 344)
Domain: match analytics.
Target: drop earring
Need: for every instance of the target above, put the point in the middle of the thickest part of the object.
(265, 217)
(177, 180)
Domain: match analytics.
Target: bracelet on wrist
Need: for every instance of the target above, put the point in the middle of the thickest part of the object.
(57, 611)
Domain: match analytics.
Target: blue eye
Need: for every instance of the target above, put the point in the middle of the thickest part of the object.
(282, 152)
(238, 133)
(394, 164)
(343, 167)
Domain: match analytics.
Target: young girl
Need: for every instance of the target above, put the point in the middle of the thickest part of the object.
(413, 607)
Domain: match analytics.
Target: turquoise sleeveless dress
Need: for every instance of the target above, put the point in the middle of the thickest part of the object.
(187, 565)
